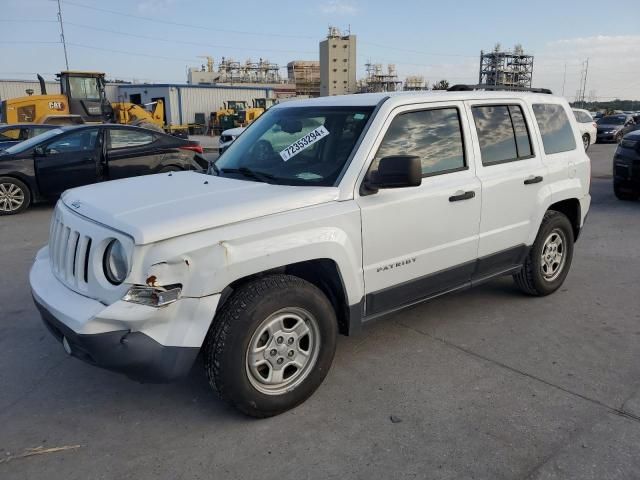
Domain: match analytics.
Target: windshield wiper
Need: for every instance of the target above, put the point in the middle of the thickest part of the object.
(247, 172)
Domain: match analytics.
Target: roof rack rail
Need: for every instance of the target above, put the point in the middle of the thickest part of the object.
(467, 88)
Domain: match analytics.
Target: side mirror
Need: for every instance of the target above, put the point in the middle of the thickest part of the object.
(40, 151)
(398, 171)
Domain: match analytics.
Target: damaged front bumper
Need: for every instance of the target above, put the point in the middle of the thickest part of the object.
(154, 344)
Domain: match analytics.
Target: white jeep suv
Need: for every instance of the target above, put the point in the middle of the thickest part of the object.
(324, 215)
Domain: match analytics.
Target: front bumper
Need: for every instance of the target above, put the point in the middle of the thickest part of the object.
(626, 168)
(145, 343)
(606, 137)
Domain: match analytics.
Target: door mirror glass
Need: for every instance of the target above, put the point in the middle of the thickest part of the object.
(397, 171)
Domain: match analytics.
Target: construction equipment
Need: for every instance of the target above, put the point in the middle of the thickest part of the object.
(83, 100)
(260, 105)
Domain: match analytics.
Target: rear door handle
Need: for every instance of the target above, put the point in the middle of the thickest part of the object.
(460, 195)
(531, 180)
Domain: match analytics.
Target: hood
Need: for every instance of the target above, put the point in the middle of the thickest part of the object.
(157, 207)
(234, 132)
(609, 126)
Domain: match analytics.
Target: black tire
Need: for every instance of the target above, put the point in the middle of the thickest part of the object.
(586, 141)
(624, 194)
(243, 316)
(618, 137)
(531, 278)
(11, 191)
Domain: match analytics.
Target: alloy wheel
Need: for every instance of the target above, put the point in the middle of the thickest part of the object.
(283, 351)
(11, 197)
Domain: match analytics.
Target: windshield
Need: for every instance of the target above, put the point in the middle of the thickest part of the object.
(296, 145)
(32, 142)
(612, 120)
(84, 88)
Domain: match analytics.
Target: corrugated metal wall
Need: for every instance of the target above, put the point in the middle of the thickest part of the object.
(148, 93)
(17, 88)
(205, 100)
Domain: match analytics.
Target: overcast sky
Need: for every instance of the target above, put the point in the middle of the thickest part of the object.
(156, 40)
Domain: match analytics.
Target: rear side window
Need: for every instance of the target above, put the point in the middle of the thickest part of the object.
(557, 135)
(502, 133)
(582, 117)
(433, 135)
(122, 138)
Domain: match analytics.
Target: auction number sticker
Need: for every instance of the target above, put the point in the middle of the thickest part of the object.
(299, 145)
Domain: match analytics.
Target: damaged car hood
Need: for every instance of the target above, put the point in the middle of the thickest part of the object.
(157, 207)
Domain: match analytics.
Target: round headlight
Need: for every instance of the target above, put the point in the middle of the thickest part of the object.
(115, 262)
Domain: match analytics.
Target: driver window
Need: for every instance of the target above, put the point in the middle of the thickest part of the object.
(81, 141)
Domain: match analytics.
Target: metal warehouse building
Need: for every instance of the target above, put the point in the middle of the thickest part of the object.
(183, 101)
(18, 88)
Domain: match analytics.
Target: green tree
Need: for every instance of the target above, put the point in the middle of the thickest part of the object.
(441, 85)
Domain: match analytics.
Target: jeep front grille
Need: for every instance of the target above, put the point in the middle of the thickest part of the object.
(69, 252)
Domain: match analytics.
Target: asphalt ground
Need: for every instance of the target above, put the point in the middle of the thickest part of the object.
(485, 384)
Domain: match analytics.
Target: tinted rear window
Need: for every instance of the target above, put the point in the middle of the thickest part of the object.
(557, 134)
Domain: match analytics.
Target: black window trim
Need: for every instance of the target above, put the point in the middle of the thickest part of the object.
(526, 125)
(464, 144)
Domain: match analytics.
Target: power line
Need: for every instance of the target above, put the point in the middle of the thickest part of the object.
(200, 27)
(184, 42)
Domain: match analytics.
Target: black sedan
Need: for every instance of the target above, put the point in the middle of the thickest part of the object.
(626, 167)
(16, 133)
(613, 127)
(43, 167)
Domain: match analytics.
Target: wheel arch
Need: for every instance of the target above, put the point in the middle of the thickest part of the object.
(572, 210)
(324, 273)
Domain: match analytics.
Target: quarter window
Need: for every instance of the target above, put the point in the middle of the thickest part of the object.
(502, 133)
(122, 138)
(556, 131)
(433, 135)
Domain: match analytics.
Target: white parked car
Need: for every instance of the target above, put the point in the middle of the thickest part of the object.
(587, 126)
(324, 215)
(228, 137)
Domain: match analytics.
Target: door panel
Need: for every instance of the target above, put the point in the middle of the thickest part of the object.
(70, 161)
(416, 241)
(512, 176)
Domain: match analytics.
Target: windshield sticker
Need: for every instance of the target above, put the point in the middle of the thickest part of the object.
(299, 145)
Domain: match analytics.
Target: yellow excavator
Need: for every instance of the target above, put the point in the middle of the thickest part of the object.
(83, 100)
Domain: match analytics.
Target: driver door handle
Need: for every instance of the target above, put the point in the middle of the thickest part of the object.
(461, 195)
(531, 180)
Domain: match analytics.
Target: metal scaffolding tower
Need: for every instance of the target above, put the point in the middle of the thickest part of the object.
(506, 68)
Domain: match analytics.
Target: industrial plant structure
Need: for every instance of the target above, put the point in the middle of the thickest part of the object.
(377, 80)
(231, 72)
(506, 68)
(305, 74)
(338, 64)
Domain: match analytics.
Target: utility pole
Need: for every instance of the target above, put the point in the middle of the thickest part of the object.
(564, 78)
(64, 43)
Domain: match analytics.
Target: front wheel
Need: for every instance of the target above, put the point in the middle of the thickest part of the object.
(586, 141)
(618, 137)
(14, 196)
(271, 345)
(547, 265)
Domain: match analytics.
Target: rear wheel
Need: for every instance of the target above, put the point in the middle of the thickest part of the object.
(15, 196)
(586, 141)
(618, 137)
(547, 265)
(271, 346)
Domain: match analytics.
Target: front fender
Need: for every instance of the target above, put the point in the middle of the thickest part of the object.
(207, 262)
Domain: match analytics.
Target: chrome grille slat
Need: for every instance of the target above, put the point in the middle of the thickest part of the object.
(81, 255)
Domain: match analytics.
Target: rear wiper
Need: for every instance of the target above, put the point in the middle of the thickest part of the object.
(247, 172)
